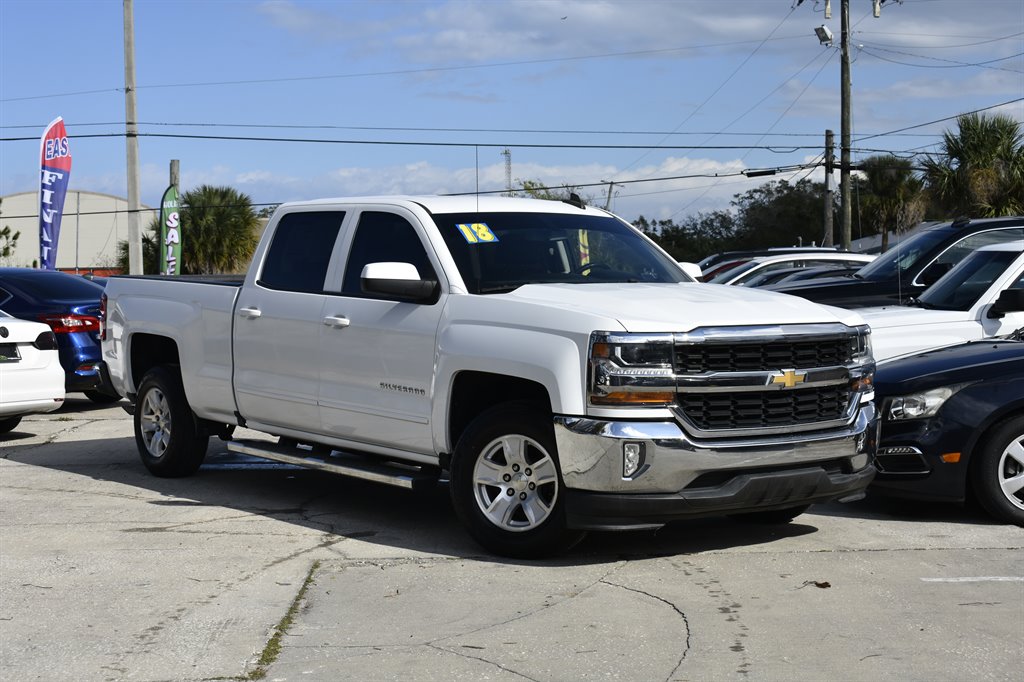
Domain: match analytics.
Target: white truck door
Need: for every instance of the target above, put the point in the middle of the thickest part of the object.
(377, 353)
(277, 324)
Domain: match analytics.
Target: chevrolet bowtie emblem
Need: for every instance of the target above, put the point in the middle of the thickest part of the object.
(788, 378)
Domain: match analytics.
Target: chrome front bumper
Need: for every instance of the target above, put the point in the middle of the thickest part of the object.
(680, 476)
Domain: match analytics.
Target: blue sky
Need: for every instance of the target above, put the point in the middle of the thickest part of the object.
(434, 91)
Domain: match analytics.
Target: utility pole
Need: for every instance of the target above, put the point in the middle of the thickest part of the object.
(830, 147)
(132, 143)
(844, 161)
(508, 172)
(175, 172)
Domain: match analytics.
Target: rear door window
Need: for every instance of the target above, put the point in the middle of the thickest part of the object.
(300, 253)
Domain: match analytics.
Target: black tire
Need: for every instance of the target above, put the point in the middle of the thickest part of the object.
(168, 438)
(997, 471)
(8, 424)
(101, 398)
(511, 447)
(771, 516)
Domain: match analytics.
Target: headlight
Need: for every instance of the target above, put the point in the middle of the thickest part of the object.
(631, 369)
(860, 345)
(920, 405)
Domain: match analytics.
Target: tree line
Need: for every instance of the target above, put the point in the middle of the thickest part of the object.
(977, 172)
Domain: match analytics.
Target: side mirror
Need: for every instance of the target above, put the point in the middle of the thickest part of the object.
(1009, 301)
(692, 269)
(398, 280)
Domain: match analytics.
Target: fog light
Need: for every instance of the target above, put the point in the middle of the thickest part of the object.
(632, 458)
(858, 462)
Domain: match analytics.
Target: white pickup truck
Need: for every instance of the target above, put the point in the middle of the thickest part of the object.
(546, 357)
(981, 297)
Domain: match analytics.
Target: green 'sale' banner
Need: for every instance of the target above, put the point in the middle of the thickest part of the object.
(170, 233)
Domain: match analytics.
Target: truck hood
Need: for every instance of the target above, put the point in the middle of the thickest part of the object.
(641, 307)
(909, 316)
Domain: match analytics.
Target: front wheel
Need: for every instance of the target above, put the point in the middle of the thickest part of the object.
(997, 474)
(506, 486)
(168, 438)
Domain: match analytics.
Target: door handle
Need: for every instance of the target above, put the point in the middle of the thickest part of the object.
(336, 321)
(250, 313)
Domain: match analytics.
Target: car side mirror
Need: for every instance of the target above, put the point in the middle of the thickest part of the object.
(1009, 301)
(398, 280)
(692, 269)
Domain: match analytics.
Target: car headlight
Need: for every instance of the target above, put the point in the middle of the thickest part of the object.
(920, 405)
(860, 344)
(631, 370)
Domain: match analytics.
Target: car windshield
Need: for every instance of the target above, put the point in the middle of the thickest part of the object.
(961, 287)
(499, 252)
(903, 257)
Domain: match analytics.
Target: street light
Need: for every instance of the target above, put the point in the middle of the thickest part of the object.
(824, 35)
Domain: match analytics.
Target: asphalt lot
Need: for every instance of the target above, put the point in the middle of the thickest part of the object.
(253, 570)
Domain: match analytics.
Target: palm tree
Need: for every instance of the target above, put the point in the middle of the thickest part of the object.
(980, 170)
(219, 230)
(894, 197)
(218, 233)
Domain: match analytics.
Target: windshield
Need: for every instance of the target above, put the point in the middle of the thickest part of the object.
(961, 287)
(902, 257)
(499, 252)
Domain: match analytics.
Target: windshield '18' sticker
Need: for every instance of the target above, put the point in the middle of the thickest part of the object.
(477, 233)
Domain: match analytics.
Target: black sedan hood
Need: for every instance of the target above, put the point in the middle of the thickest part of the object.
(974, 361)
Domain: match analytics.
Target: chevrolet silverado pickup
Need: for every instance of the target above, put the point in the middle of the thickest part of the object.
(547, 359)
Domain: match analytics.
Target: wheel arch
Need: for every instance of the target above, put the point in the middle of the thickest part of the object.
(474, 392)
(147, 351)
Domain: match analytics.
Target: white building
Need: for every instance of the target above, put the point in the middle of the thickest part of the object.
(90, 230)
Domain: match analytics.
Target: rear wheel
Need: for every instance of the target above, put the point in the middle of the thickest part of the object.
(168, 438)
(506, 486)
(8, 424)
(997, 474)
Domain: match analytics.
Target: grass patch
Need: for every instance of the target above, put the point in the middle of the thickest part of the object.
(273, 648)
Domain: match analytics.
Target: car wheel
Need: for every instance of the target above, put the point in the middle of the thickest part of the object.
(169, 441)
(9, 424)
(101, 398)
(997, 474)
(506, 486)
(772, 515)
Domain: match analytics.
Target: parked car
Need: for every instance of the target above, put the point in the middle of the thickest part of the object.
(31, 377)
(801, 274)
(906, 270)
(720, 262)
(743, 273)
(952, 426)
(982, 297)
(70, 305)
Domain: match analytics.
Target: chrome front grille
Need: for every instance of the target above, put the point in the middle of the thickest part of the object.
(738, 382)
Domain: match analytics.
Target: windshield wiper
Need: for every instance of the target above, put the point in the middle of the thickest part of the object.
(502, 289)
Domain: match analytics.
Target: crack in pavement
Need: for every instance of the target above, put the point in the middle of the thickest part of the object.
(686, 621)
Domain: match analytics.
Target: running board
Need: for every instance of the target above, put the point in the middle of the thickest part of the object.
(408, 476)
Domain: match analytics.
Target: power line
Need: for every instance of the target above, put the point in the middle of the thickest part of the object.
(406, 72)
(950, 63)
(940, 120)
(250, 138)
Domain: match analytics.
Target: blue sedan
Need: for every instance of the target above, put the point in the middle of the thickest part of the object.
(70, 305)
(953, 426)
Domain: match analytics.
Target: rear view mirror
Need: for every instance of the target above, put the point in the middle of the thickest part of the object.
(1009, 301)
